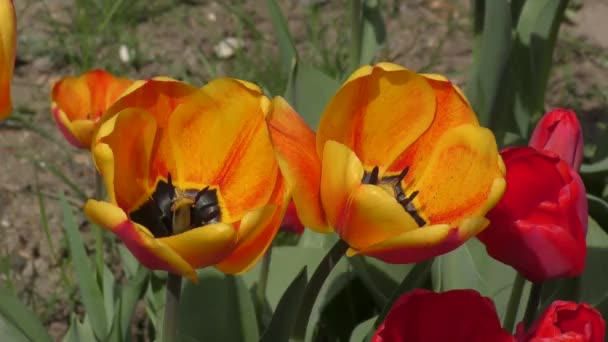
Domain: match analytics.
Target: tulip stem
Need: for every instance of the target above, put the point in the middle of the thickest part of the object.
(514, 300)
(356, 32)
(533, 302)
(99, 246)
(314, 286)
(263, 281)
(170, 317)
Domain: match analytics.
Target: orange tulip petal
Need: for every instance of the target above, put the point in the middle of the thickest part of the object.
(67, 129)
(424, 243)
(8, 43)
(240, 160)
(341, 174)
(463, 177)
(203, 246)
(378, 114)
(256, 232)
(123, 156)
(452, 110)
(148, 250)
(159, 97)
(372, 216)
(294, 144)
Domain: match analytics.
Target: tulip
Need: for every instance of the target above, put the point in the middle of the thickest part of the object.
(191, 175)
(399, 167)
(560, 132)
(291, 222)
(79, 102)
(565, 321)
(8, 52)
(539, 226)
(456, 316)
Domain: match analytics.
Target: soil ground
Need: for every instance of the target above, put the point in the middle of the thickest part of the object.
(178, 40)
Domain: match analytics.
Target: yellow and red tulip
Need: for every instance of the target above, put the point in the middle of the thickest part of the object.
(165, 145)
(79, 102)
(8, 51)
(399, 166)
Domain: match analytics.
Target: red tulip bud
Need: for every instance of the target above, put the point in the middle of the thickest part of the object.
(560, 132)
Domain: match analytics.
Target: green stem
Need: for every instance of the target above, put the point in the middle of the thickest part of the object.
(314, 286)
(170, 317)
(356, 32)
(415, 278)
(514, 300)
(98, 230)
(533, 302)
(263, 281)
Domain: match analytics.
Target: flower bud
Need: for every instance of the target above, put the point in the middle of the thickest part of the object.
(560, 132)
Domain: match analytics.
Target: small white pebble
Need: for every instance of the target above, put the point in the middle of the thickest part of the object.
(5, 223)
(123, 53)
(227, 47)
(211, 17)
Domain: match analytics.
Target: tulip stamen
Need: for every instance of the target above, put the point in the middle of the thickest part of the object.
(395, 181)
(159, 211)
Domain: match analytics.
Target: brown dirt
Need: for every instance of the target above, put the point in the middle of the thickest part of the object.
(171, 44)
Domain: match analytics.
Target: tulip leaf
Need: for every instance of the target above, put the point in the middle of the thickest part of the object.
(79, 331)
(364, 331)
(470, 266)
(380, 278)
(286, 312)
(597, 167)
(373, 32)
(308, 82)
(491, 56)
(17, 322)
(92, 298)
(287, 47)
(598, 209)
(217, 308)
(130, 293)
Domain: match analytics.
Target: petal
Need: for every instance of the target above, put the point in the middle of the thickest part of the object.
(424, 243)
(464, 176)
(148, 250)
(67, 128)
(256, 232)
(294, 144)
(452, 110)
(203, 246)
(341, 174)
(123, 156)
(8, 43)
(372, 216)
(378, 113)
(72, 96)
(159, 97)
(104, 90)
(219, 139)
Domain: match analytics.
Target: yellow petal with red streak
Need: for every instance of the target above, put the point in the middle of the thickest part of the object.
(341, 174)
(463, 177)
(294, 143)
(424, 243)
(372, 216)
(378, 114)
(219, 138)
(149, 251)
(8, 50)
(123, 157)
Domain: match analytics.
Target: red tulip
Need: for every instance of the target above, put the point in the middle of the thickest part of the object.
(540, 224)
(457, 315)
(291, 221)
(560, 132)
(565, 321)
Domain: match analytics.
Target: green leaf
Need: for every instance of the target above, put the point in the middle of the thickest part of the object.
(364, 331)
(598, 209)
(600, 167)
(17, 322)
(80, 331)
(217, 308)
(130, 294)
(92, 298)
(373, 34)
(306, 83)
(287, 48)
(380, 277)
(286, 312)
(490, 58)
(470, 266)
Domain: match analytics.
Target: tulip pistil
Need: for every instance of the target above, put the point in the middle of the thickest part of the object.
(407, 202)
(158, 212)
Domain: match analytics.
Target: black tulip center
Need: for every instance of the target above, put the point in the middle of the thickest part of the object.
(157, 212)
